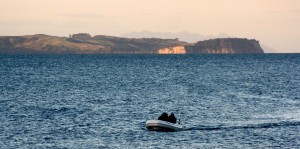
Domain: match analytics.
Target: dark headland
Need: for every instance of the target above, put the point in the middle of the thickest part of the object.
(86, 44)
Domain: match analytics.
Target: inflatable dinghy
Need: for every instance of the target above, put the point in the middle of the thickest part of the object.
(159, 125)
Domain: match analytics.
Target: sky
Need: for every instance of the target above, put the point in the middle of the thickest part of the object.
(275, 23)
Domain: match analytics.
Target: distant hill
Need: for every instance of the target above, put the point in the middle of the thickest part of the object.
(187, 37)
(84, 43)
(183, 36)
(268, 49)
(225, 45)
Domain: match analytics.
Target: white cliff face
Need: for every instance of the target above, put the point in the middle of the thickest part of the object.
(172, 50)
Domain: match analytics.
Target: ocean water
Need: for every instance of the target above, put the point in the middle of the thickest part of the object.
(103, 101)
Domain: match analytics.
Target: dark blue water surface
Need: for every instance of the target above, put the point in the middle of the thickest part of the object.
(103, 101)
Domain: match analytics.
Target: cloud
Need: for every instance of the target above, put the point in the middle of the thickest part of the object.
(80, 15)
(296, 11)
(146, 14)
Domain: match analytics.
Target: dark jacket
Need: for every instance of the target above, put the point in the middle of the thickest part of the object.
(172, 118)
(163, 117)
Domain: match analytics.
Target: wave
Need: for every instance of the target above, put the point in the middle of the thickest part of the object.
(250, 126)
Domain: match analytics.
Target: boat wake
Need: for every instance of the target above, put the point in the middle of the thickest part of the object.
(250, 126)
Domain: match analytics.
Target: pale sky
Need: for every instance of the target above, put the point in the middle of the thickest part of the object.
(275, 23)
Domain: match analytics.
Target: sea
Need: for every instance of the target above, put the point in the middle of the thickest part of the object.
(103, 101)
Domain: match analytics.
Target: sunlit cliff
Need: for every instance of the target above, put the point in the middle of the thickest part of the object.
(172, 50)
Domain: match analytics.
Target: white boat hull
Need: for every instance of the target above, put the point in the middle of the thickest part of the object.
(159, 125)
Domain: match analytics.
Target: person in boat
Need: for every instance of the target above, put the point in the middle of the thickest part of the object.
(163, 117)
(172, 118)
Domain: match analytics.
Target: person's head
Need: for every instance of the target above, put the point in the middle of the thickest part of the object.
(165, 114)
(172, 114)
